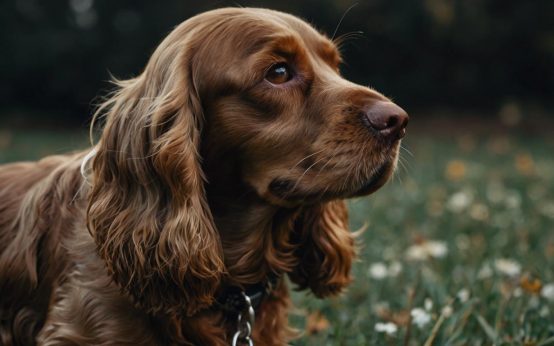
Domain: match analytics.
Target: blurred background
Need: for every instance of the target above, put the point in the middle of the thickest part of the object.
(476, 55)
(460, 245)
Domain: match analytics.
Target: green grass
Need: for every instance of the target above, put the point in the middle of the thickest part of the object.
(32, 145)
(485, 197)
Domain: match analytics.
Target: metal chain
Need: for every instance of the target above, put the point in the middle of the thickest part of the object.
(245, 323)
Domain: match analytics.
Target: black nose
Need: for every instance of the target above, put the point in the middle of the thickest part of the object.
(388, 119)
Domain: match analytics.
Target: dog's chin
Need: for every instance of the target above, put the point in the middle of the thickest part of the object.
(376, 181)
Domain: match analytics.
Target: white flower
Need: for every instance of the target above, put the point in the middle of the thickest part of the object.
(437, 249)
(427, 249)
(428, 304)
(447, 311)
(459, 201)
(417, 253)
(420, 317)
(485, 272)
(548, 291)
(389, 328)
(463, 295)
(507, 267)
(378, 271)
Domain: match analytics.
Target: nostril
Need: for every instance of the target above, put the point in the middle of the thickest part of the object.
(378, 120)
(387, 118)
(392, 122)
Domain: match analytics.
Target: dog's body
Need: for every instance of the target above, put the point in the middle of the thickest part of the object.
(223, 165)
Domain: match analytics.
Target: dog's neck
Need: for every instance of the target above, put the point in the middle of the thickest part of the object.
(255, 234)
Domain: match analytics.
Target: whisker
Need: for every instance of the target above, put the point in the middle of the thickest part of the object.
(326, 163)
(342, 18)
(339, 164)
(406, 150)
(406, 163)
(397, 172)
(344, 38)
(303, 174)
(299, 162)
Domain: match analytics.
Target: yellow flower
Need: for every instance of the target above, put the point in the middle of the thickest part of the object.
(524, 164)
(456, 170)
(530, 284)
(316, 323)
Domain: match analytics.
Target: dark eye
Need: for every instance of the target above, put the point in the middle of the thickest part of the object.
(279, 74)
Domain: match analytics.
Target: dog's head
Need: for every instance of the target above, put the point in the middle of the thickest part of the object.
(275, 100)
(257, 87)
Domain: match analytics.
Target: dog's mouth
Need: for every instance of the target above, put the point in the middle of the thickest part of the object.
(285, 190)
(360, 179)
(376, 181)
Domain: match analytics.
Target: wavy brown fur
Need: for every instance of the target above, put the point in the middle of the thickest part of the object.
(206, 175)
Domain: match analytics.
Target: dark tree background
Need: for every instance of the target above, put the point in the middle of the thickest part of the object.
(57, 56)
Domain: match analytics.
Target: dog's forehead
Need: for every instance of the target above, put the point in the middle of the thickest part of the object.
(244, 33)
(294, 24)
(260, 23)
(274, 25)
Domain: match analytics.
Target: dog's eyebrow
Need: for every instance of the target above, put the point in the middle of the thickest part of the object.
(328, 52)
(286, 46)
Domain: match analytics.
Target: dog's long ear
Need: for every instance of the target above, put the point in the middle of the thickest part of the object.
(326, 249)
(147, 211)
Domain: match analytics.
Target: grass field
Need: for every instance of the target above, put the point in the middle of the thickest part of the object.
(459, 247)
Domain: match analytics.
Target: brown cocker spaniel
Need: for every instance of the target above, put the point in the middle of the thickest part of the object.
(221, 169)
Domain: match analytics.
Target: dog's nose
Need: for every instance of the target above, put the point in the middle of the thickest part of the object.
(388, 119)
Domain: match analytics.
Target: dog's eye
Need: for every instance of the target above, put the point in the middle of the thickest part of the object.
(279, 74)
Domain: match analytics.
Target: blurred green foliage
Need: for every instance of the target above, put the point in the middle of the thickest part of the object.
(426, 54)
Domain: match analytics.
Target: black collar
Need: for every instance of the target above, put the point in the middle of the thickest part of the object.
(231, 299)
